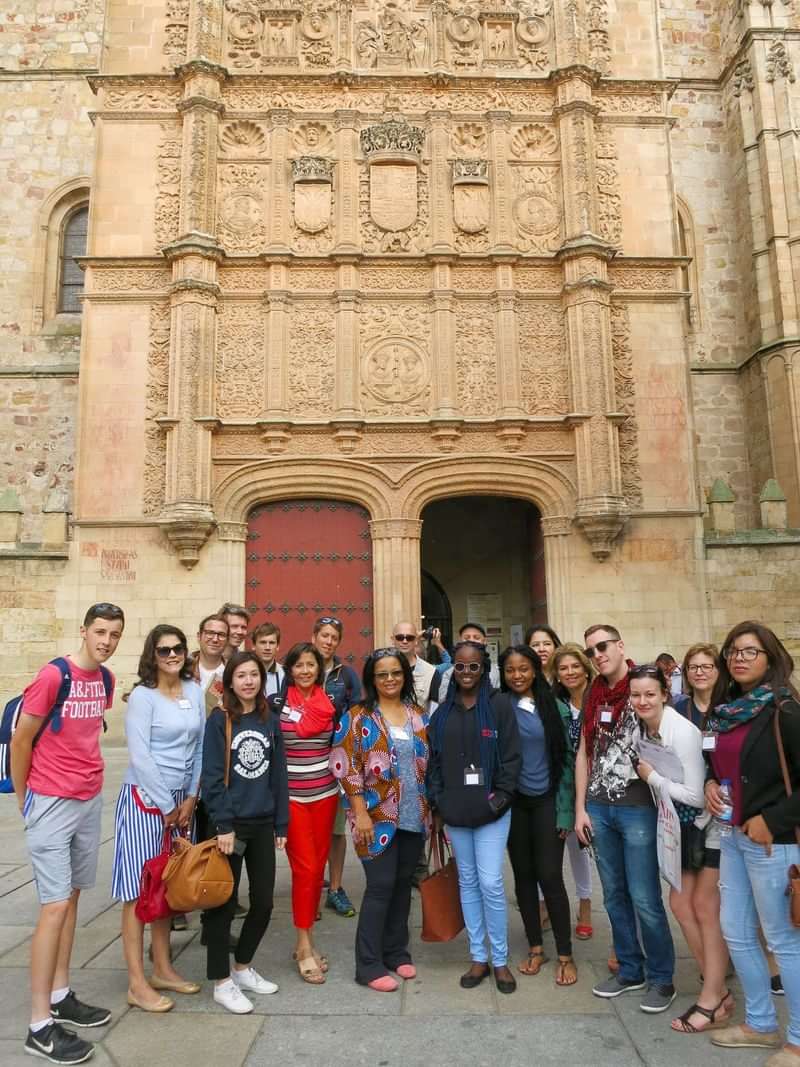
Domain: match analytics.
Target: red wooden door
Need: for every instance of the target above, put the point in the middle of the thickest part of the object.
(307, 558)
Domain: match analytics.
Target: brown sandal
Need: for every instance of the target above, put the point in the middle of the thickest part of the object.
(685, 1027)
(322, 961)
(310, 971)
(562, 974)
(530, 966)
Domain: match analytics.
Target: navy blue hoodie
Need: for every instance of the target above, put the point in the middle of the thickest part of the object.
(258, 788)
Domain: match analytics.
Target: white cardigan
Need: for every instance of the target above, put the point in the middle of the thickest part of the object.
(686, 741)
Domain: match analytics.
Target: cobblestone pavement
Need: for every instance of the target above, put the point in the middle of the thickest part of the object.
(430, 1020)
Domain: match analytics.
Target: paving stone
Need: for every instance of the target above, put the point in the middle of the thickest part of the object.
(180, 1040)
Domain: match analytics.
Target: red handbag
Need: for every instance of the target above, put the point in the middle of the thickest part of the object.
(151, 904)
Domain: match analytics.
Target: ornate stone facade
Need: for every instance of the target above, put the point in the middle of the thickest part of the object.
(393, 250)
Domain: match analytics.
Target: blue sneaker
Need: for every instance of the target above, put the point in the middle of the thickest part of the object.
(337, 900)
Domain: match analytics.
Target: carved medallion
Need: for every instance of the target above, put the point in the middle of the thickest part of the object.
(533, 30)
(535, 214)
(395, 370)
(463, 29)
(393, 195)
(241, 211)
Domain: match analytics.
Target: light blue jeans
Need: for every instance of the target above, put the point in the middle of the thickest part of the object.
(753, 890)
(480, 854)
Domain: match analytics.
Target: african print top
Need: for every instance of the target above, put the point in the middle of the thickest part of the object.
(364, 759)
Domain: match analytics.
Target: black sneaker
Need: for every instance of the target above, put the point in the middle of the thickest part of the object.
(58, 1045)
(72, 1010)
(776, 985)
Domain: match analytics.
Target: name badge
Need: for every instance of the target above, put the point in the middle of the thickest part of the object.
(606, 714)
(399, 733)
(185, 704)
(526, 704)
(294, 714)
(709, 741)
(473, 776)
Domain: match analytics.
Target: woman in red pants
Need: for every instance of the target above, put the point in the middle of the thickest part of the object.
(306, 715)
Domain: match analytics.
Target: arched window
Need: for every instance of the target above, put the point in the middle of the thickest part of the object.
(73, 245)
(690, 273)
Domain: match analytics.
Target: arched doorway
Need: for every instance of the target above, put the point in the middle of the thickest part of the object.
(487, 555)
(308, 558)
(436, 610)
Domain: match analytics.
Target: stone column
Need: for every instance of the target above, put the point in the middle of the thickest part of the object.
(345, 190)
(501, 185)
(279, 204)
(508, 384)
(396, 573)
(348, 403)
(233, 538)
(189, 423)
(441, 198)
(440, 11)
(344, 36)
(205, 30)
(564, 615)
(445, 404)
(275, 423)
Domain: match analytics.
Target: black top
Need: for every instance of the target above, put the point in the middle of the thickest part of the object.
(258, 787)
(763, 790)
(470, 805)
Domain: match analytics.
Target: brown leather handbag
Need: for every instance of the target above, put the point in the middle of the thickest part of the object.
(793, 888)
(442, 917)
(199, 876)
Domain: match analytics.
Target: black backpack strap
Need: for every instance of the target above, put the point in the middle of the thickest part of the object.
(106, 673)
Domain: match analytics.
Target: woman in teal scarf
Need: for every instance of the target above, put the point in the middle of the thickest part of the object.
(741, 747)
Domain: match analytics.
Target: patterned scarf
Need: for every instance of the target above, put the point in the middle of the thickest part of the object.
(744, 709)
(601, 693)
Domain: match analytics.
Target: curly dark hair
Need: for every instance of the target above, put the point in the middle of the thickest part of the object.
(148, 661)
(408, 694)
(230, 701)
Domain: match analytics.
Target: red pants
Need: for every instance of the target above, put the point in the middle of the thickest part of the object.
(307, 845)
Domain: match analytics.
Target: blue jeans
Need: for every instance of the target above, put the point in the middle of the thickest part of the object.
(480, 854)
(625, 847)
(752, 886)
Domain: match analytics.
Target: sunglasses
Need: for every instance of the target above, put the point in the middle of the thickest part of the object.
(387, 676)
(467, 668)
(601, 646)
(647, 670)
(110, 611)
(165, 651)
(405, 637)
(329, 620)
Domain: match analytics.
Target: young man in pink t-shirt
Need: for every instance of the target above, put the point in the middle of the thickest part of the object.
(57, 769)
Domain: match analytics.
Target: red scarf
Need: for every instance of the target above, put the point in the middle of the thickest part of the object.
(600, 692)
(317, 710)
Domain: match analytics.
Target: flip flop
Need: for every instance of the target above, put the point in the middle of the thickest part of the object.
(561, 971)
(526, 967)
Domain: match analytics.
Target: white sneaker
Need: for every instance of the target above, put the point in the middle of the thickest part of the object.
(230, 996)
(252, 981)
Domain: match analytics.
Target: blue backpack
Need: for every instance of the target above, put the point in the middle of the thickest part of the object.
(13, 710)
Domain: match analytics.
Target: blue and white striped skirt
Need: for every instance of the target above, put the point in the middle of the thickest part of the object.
(138, 837)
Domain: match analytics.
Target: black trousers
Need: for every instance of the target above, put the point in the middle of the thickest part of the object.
(382, 934)
(259, 858)
(537, 858)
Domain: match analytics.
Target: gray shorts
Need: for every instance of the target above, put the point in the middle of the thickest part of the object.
(63, 837)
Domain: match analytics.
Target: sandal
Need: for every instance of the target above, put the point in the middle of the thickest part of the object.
(322, 961)
(310, 971)
(530, 966)
(681, 1025)
(566, 971)
(584, 931)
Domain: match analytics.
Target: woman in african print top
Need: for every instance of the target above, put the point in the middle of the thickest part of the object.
(380, 755)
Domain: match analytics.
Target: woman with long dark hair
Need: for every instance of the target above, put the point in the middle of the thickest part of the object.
(762, 708)
(164, 726)
(543, 809)
(544, 641)
(474, 765)
(306, 716)
(380, 756)
(248, 809)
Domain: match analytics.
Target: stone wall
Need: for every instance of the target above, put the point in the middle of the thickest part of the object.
(60, 35)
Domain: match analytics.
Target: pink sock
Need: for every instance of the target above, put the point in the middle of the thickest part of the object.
(407, 971)
(384, 984)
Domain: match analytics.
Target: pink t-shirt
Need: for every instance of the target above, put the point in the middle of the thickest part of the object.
(68, 763)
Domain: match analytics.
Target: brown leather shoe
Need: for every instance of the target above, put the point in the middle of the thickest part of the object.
(738, 1037)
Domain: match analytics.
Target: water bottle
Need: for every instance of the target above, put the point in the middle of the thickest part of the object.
(724, 819)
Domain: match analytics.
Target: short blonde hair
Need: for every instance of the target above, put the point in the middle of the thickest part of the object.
(701, 648)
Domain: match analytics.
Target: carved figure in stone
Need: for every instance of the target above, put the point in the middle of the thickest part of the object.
(241, 211)
(242, 138)
(280, 38)
(244, 36)
(316, 28)
(469, 139)
(313, 139)
(394, 39)
(394, 370)
(498, 43)
(534, 141)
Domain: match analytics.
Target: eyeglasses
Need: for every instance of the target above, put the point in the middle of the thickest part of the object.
(214, 635)
(601, 646)
(700, 668)
(748, 654)
(165, 651)
(329, 620)
(467, 668)
(405, 637)
(386, 676)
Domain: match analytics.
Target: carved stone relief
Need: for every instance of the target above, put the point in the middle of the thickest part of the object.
(240, 360)
(241, 198)
(312, 359)
(312, 178)
(476, 357)
(469, 140)
(544, 376)
(534, 141)
(313, 139)
(176, 31)
(626, 403)
(471, 204)
(156, 396)
(393, 279)
(393, 208)
(167, 205)
(536, 208)
(242, 139)
(392, 39)
(608, 189)
(395, 360)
